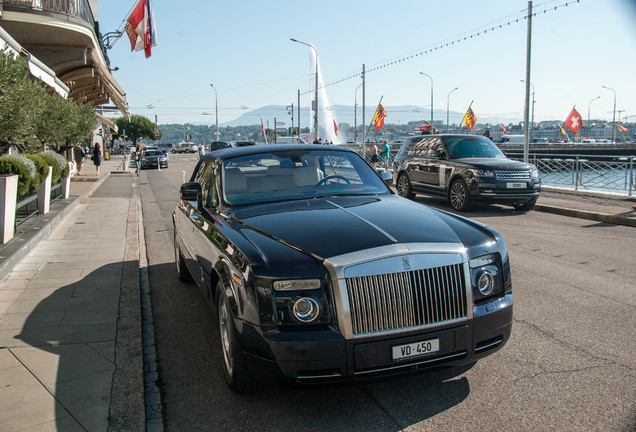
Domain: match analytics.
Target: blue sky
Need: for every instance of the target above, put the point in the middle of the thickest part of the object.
(243, 48)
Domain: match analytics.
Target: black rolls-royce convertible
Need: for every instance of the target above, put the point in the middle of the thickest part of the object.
(318, 272)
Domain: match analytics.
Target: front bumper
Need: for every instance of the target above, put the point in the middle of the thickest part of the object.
(499, 192)
(325, 356)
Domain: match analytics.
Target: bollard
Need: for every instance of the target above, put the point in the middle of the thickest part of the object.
(183, 173)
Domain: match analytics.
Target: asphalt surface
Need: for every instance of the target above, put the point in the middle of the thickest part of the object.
(76, 341)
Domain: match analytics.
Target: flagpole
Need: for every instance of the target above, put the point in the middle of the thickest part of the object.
(364, 149)
(526, 110)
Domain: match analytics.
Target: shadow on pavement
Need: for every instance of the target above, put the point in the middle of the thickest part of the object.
(190, 369)
(71, 334)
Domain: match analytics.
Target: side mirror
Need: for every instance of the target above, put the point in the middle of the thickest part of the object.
(191, 192)
(387, 177)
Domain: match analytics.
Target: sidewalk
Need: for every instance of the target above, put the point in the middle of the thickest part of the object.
(70, 321)
(65, 307)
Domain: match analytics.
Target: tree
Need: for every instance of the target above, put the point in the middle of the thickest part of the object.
(135, 128)
(32, 117)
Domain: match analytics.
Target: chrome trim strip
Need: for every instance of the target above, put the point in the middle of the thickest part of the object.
(409, 365)
(377, 228)
(310, 377)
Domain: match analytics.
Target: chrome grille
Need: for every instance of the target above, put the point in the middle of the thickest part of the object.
(513, 175)
(408, 299)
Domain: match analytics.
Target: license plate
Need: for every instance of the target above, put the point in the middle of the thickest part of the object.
(516, 185)
(401, 352)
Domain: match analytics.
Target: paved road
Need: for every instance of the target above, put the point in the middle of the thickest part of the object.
(569, 365)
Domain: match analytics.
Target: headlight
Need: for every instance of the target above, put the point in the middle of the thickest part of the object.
(486, 283)
(305, 309)
(482, 261)
(483, 173)
(534, 174)
(301, 302)
(295, 285)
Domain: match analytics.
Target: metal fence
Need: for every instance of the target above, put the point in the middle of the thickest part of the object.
(603, 173)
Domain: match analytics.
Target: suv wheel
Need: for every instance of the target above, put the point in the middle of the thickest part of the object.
(458, 195)
(403, 187)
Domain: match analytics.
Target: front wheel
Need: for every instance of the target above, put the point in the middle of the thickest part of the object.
(235, 370)
(403, 187)
(458, 196)
(183, 274)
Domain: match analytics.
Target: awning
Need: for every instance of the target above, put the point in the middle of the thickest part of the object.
(106, 121)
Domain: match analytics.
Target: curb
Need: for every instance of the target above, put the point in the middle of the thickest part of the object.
(583, 214)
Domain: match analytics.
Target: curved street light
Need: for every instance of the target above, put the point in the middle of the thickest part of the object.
(431, 78)
(532, 121)
(216, 109)
(613, 116)
(448, 108)
(589, 127)
(355, 114)
(316, 96)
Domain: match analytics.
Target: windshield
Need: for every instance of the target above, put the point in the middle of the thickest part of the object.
(153, 153)
(472, 147)
(289, 175)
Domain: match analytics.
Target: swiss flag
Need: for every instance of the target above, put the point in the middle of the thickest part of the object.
(574, 121)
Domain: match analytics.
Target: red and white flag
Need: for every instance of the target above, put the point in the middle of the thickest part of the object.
(574, 121)
(503, 129)
(335, 127)
(141, 28)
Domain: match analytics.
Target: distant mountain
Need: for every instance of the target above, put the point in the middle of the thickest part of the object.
(400, 114)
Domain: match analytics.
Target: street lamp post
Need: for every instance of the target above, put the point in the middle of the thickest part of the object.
(216, 109)
(532, 121)
(316, 96)
(355, 115)
(589, 127)
(448, 109)
(431, 78)
(613, 115)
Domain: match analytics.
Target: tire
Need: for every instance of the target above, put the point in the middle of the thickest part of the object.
(526, 206)
(237, 376)
(458, 196)
(183, 274)
(403, 187)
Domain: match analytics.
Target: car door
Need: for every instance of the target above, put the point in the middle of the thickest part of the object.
(209, 239)
(433, 163)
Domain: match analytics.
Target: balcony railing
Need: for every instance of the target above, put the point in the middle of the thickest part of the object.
(79, 9)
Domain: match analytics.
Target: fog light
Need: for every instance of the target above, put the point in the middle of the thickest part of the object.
(306, 309)
(486, 283)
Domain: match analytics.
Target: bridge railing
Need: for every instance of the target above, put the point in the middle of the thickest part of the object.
(580, 172)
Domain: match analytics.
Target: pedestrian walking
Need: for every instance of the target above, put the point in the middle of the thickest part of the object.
(374, 153)
(385, 153)
(79, 154)
(137, 156)
(201, 149)
(97, 157)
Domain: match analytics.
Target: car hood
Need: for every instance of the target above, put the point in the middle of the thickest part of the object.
(333, 226)
(498, 164)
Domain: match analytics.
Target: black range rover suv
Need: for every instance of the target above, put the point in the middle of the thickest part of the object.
(466, 169)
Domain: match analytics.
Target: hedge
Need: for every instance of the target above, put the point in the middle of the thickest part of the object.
(11, 164)
(42, 168)
(59, 164)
